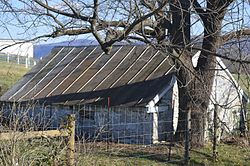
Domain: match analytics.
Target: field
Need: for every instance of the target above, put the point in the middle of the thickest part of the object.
(9, 74)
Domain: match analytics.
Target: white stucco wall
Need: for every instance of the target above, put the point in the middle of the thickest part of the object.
(228, 95)
(175, 105)
(166, 113)
(24, 49)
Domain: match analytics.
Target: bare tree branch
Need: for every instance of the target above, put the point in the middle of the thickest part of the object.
(235, 35)
(62, 12)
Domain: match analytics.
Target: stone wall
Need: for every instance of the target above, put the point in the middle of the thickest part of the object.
(118, 124)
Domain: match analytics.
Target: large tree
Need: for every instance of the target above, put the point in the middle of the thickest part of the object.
(164, 24)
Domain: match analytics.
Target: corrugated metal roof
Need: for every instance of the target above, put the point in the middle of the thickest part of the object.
(129, 75)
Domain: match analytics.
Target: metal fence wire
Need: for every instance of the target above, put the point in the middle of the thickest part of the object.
(16, 59)
(124, 131)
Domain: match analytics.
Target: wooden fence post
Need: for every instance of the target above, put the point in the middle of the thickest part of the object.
(18, 59)
(26, 62)
(71, 140)
(107, 135)
(187, 137)
(215, 153)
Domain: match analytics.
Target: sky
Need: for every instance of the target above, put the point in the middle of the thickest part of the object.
(8, 29)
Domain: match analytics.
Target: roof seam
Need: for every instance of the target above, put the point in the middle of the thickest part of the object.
(36, 74)
(83, 73)
(47, 74)
(156, 68)
(142, 68)
(100, 69)
(169, 70)
(59, 73)
(130, 67)
(114, 68)
(71, 72)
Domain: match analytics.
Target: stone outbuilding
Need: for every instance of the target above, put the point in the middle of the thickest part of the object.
(134, 90)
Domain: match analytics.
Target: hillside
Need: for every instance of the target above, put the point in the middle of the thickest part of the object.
(9, 74)
(42, 50)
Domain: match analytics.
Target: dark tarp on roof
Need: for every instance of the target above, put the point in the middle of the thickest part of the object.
(129, 75)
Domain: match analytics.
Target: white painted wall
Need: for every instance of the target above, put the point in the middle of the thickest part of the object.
(228, 95)
(165, 112)
(175, 105)
(155, 135)
(24, 49)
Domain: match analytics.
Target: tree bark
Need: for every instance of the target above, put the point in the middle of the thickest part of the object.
(195, 84)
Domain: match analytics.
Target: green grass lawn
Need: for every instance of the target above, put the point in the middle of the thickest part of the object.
(227, 155)
(50, 151)
(9, 74)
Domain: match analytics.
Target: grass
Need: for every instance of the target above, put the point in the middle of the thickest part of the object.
(47, 151)
(9, 74)
(41, 151)
(124, 154)
(227, 155)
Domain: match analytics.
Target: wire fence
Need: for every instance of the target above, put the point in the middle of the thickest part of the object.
(114, 131)
(16, 59)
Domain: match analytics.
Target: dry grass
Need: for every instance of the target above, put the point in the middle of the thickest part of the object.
(10, 73)
(120, 154)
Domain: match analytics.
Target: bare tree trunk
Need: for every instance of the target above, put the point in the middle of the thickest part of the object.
(195, 83)
(180, 36)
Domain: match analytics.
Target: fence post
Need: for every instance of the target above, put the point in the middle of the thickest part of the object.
(26, 62)
(215, 133)
(187, 137)
(18, 59)
(71, 140)
(107, 148)
(8, 58)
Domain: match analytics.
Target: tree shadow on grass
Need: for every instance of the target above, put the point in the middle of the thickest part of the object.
(210, 159)
(160, 158)
(208, 156)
